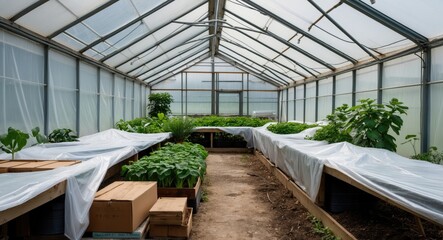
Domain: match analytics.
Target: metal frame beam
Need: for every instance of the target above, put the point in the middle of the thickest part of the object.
(155, 45)
(199, 57)
(82, 18)
(284, 41)
(264, 57)
(165, 52)
(387, 21)
(27, 10)
(270, 70)
(280, 82)
(170, 59)
(341, 28)
(246, 69)
(140, 18)
(274, 50)
(299, 30)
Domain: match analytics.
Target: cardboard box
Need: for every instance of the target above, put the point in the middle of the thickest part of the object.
(139, 233)
(178, 231)
(122, 206)
(169, 211)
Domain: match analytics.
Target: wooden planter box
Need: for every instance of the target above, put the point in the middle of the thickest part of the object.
(33, 165)
(193, 194)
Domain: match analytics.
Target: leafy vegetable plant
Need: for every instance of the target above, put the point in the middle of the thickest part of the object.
(180, 127)
(62, 135)
(333, 132)
(39, 137)
(143, 125)
(289, 127)
(13, 141)
(159, 103)
(174, 165)
(216, 121)
(432, 156)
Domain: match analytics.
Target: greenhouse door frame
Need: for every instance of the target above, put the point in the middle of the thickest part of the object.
(240, 100)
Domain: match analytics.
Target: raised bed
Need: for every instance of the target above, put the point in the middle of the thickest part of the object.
(194, 195)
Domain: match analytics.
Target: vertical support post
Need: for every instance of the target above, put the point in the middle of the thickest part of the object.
(425, 96)
(241, 95)
(247, 93)
(354, 86)
(181, 92)
(46, 92)
(380, 83)
(294, 104)
(124, 96)
(213, 101)
(133, 99)
(304, 102)
(77, 96)
(98, 98)
(186, 94)
(113, 98)
(278, 106)
(316, 100)
(287, 104)
(333, 92)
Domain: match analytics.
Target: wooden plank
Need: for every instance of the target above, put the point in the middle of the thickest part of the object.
(337, 174)
(57, 164)
(208, 130)
(42, 198)
(268, 164)
(30, 166)
(190, 193)
(282, 178)
(319, 213)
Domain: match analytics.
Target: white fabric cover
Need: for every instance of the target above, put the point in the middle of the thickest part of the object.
(98, 152)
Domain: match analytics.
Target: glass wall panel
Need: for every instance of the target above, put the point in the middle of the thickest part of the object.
(402, 71)
(411, 122)
(137, 100)
(198, 80)
(229, 104)
(343, 83)
(106, 100)
(62, 92)
(88, 99)
(324, 107)
(21, 83)
(310, 102)
(299, 102)
(367, 79)
(436, 116)
(119, 98)
(291, 104)
(437, 64)
(263, 101)
(198, 102)
(343, 99)
(366, 95)
(129, 100)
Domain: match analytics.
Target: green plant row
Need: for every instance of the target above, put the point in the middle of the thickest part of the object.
(216, 121)
(143, 125)
(289, 127)
(174, 165)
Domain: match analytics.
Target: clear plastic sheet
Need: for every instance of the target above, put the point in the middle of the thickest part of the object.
(98, 152)
(413, 184)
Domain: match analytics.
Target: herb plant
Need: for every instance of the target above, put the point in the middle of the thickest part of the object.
(289, 127)
(62, 135)
(174, 165)
(13, 141)
(159, 103)
(369, 123)
(180, 127)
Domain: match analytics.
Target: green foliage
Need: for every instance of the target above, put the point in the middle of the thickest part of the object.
(39, 137)
(13, 141)
(319, 228)
(62, 135)
(432, 156)
(333, 132)
(212, 121)
(180, 127)
(370, 123)
(411, 139)
(289, 127)
(174, 165)
(159, 103)
(143, 125)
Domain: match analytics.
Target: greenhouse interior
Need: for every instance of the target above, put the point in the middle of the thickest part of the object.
(221, 119)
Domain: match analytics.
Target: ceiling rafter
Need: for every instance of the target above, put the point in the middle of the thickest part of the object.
(27, 10)
(284, 41)
(299, 30)
(342, 29)
(138, 19)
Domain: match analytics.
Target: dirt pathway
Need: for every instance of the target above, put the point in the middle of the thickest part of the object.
(238, 206)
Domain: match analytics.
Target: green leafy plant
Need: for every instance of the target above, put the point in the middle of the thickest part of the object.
(432, 156)
(159, 103)
(62, 135)
(216, 121)
(180, 127)
(333, 132)
(39, 137)
(143, 125)
(174, 165)
(369, 123)
(289, 127)
(319, 228)
(411, 139)
(13, 141)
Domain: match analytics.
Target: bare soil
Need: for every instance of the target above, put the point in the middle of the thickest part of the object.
(245, 201)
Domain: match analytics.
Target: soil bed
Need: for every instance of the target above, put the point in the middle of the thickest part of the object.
(245, 201)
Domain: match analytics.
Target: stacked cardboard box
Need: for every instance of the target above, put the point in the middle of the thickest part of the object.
(170, 217)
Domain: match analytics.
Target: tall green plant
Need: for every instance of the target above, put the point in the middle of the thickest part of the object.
(13, 141)
(159, 103)
(180, 128)
(333, 132)
(369, 123)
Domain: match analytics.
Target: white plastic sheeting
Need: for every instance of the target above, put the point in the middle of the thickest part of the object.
(413, 184)
(98, 151)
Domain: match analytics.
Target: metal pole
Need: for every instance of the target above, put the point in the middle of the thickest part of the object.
(425, 100)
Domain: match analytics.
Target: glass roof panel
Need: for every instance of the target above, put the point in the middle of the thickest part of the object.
(112, 17)
(14, 7)
(69, 41)
(126, 36)
(247, 54)
(249, 43)
(41, 19)
(281, 30)
(144, 6)
(305, 61)
(82, 7)
(93, 54)
(421, 16)
(246, 12)
(83, 33)
(319, 51)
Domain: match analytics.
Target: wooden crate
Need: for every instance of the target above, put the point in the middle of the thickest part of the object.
(168, 211)
(173, 231)
(193, 194)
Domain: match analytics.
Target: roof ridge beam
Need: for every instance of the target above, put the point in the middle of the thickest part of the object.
(107, 36)
(342, 29)
(392, 24)
(82, 18)
(280, 39)
(299, 30)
